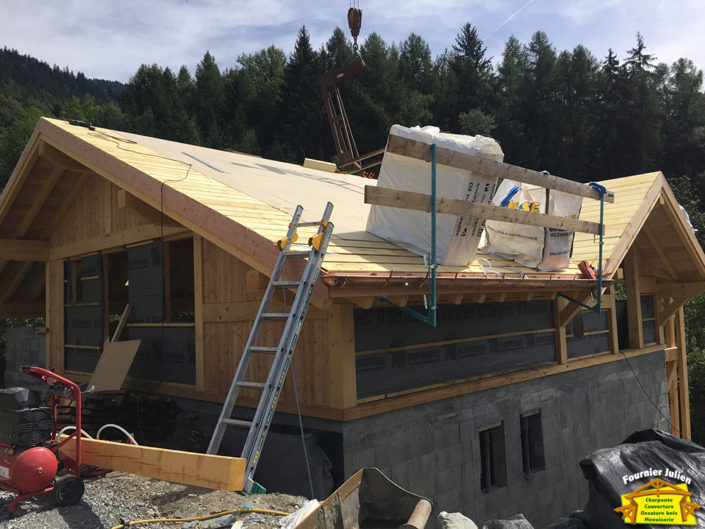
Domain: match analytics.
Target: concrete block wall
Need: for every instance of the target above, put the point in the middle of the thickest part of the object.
(433, 449)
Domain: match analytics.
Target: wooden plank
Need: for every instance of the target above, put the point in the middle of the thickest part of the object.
(199, 339)
(492, 168)
(683, 390)
(24, 250)
(118, 238)
(55, 315)
(114, 363)
(633, 288)
(382, 196)
(559, 305)
(68, 202)
(672, 383)
(121, 324)
(189, 468)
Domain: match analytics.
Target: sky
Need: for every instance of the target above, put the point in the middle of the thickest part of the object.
(111, 39)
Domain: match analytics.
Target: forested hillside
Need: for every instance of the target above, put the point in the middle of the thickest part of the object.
(581, 114)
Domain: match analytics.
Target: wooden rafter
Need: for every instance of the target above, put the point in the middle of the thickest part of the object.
(60, 160)
(23, 250)
(665, 260)
(38, 201)
(68, 202)
(16, 282)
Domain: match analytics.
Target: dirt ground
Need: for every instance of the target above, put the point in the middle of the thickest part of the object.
(118, 498)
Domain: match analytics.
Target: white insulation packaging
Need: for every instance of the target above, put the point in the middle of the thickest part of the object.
(457, 237)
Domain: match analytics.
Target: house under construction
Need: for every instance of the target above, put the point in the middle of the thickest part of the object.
(488, 413)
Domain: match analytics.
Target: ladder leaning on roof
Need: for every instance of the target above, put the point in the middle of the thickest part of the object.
(271, 389)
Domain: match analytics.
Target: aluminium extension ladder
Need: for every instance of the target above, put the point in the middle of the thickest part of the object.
(271, 389)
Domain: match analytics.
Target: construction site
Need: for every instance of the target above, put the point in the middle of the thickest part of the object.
(470, 328)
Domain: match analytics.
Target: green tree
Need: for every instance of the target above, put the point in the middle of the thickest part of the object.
(209, 101)
(13, 140)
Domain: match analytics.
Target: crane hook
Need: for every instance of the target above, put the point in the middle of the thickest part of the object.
(354, 21)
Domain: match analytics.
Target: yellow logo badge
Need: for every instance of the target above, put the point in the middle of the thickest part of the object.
(659, 502)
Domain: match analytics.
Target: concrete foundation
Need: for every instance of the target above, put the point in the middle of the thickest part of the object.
(434, 449)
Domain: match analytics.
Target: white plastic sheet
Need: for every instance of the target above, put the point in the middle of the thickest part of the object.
(457, 238)
(532, 246)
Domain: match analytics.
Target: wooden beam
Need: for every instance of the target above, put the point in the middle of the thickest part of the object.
(570, 308)
(672, 384)
(22, 310)
(492, 168)
(24, 250)
(559, 305)
(121, 324)
(189, 468)
(671, 305)
(127, 201)
(341, 356)
(198, 313)
(663, 257)
(16, 282)
(114, 239)
(632, 285)
(683, 290)
(683, 389)
(382, 196)
(38, 201)
(59, 159)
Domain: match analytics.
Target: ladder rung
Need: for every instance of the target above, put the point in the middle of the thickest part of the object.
(304, 224)
(262, 349)
(298, 253)
(275, 315)
(252, 384)
(286, 284)
(237, 422)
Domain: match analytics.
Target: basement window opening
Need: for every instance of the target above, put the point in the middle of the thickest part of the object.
(532, 452)
(493, 458)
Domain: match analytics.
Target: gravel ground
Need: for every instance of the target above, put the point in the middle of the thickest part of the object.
(117, 498)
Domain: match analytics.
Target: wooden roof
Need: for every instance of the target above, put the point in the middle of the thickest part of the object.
(244, 203)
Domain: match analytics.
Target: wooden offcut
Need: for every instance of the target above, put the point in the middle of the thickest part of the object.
(189, 468)
(113, 365)
(383, 196)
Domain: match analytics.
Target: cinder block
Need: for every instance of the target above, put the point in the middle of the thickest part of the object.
(450, 456)
(446, 435)
(422, 467)
(399, 474)
(449, 478)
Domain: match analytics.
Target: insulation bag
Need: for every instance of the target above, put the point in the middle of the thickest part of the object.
(532, 246)
(457, 237)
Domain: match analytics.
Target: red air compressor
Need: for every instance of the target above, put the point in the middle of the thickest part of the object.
(29, 447)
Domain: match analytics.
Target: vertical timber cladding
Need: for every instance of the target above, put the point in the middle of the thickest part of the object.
(167, 353)
(395, 352)
(83, 312)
